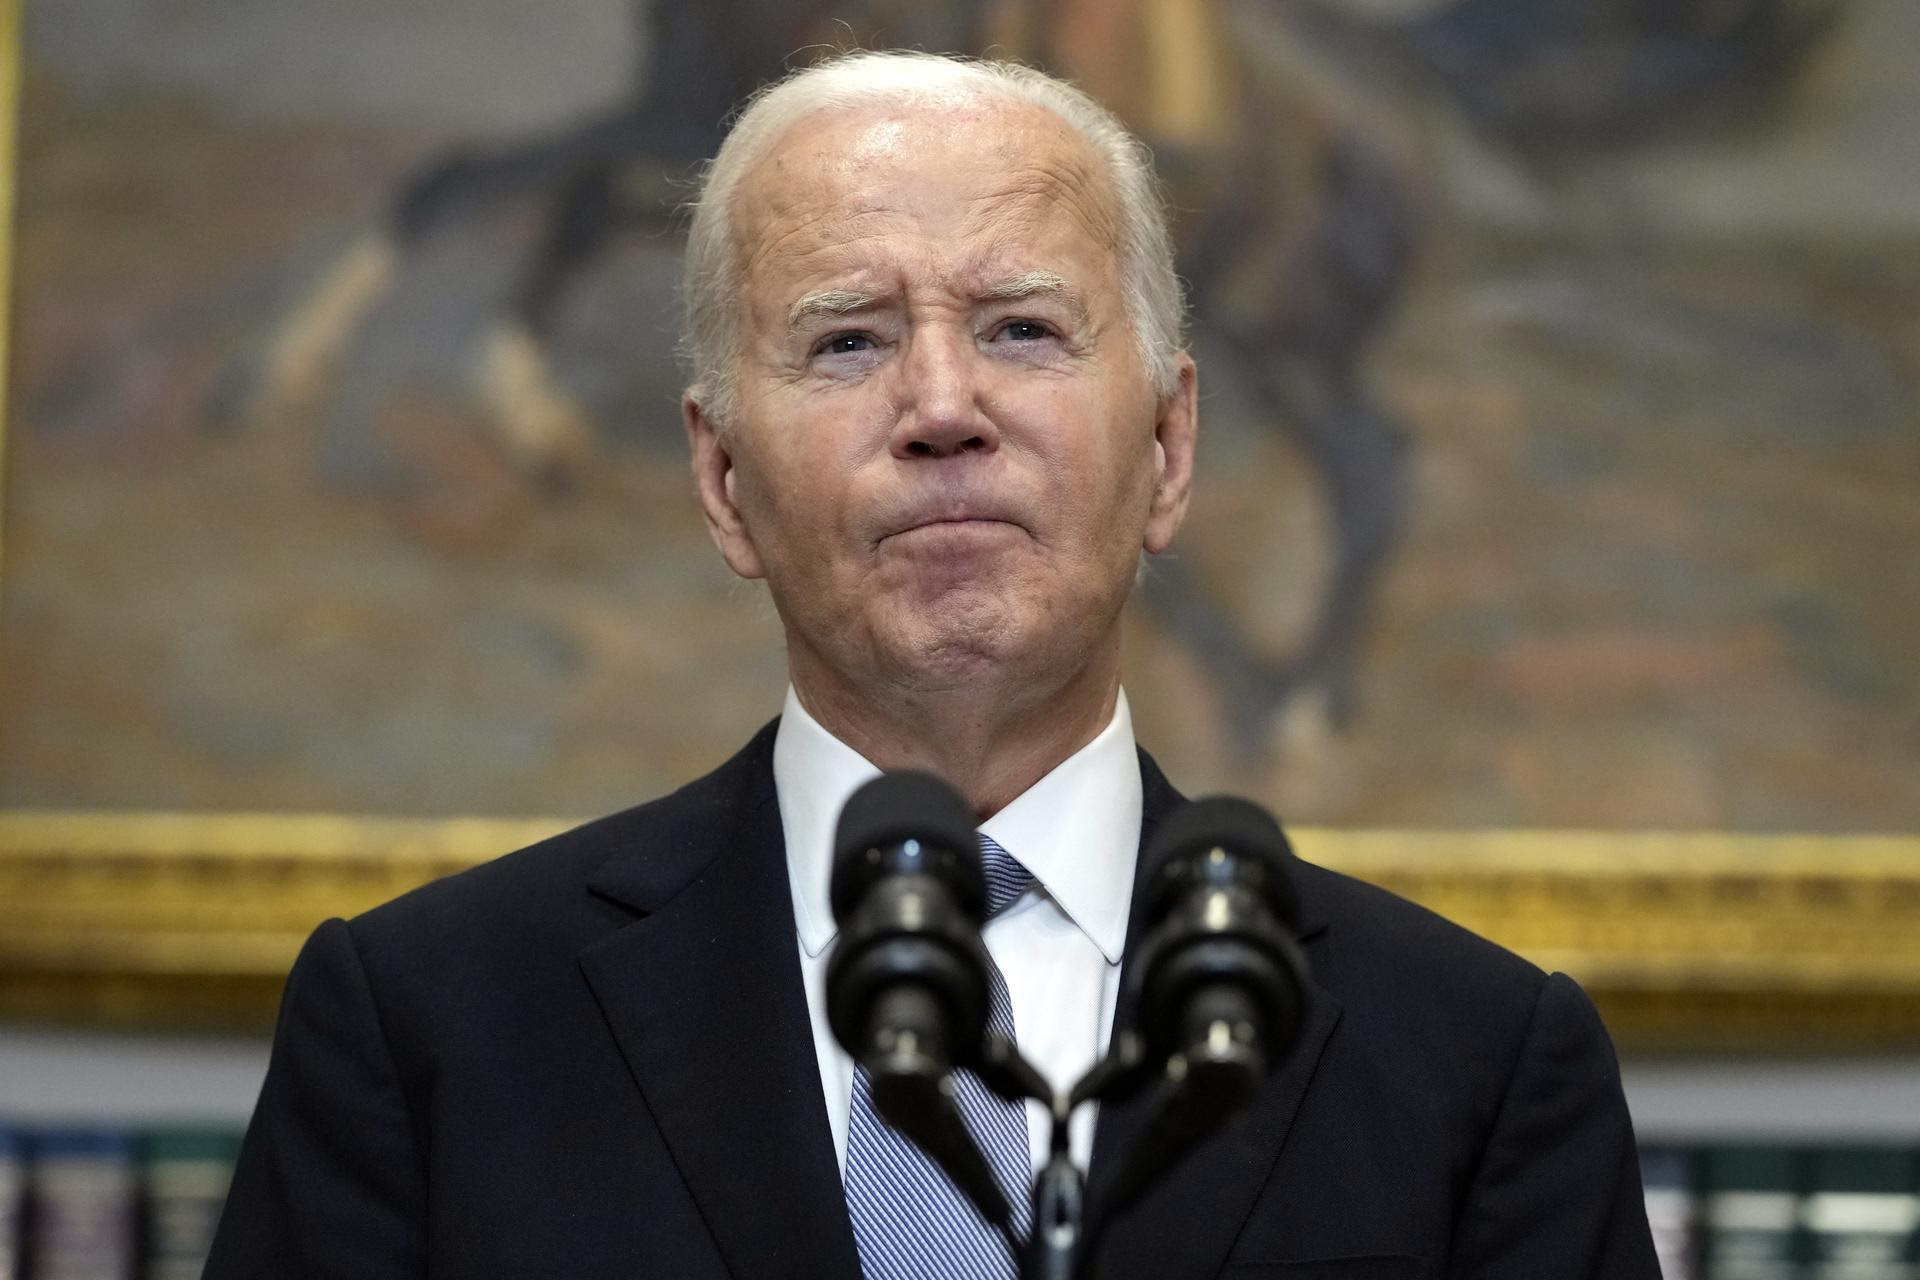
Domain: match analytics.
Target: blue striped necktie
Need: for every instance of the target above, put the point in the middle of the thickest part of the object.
(909, 1220)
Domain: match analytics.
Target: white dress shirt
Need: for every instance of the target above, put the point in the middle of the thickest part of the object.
(1077, 830)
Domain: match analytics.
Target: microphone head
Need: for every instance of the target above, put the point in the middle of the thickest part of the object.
(1218, 983)
(906, 822)
(1252, 853)
(1220, 916)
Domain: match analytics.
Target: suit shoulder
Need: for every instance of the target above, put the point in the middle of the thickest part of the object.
(1370, 930)
(1429, 1009)
(666, 834)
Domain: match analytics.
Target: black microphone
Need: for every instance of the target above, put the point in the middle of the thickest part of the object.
(907, 981)
(1219, 980)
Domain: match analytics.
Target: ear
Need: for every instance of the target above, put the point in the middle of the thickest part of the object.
(713, 478)
(1173, 445)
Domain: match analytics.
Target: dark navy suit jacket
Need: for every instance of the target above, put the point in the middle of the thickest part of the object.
(593, 1059)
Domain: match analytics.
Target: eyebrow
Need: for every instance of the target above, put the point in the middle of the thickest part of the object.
(828, 302)
(1028, 284)
(1037, 284)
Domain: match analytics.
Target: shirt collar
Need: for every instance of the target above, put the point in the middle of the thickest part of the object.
(1077, 829)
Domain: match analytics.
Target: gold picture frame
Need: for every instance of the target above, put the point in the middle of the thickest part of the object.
(1688, 940)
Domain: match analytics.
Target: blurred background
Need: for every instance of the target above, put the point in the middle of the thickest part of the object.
(1559, 450)
(1559, 463)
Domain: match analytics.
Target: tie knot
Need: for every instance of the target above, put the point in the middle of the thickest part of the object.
(1006, 878)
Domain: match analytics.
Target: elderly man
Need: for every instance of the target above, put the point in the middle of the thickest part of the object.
(941, 407)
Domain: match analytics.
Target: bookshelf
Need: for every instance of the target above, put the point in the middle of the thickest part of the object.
(145, 1117)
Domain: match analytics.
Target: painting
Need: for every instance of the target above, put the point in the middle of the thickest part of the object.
(1559, 460)
(1559, 362)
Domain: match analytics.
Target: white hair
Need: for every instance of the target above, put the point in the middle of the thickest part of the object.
(1154, 303)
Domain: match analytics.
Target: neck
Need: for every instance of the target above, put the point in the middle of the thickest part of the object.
(989, 739)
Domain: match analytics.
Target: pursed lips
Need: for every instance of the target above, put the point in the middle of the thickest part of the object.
(954, 517)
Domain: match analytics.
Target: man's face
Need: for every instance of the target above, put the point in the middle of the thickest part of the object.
(945, 453)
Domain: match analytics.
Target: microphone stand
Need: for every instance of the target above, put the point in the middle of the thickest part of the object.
(1223, 1072)
(1058, 1247)
(1204, 1085)
(1059, 1213)
(1211, 1076)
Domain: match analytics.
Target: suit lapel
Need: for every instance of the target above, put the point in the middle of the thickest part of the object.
(704, 998)
(1185, 1226)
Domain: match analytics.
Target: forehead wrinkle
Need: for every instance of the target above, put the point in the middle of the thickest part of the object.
(788, 205)
(813, 231)
(804, 214)
(820, 259)
(1031, 192)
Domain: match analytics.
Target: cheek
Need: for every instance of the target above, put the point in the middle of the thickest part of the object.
(1121, 456)
(798, 498)
(1094, 453)
(782, 509)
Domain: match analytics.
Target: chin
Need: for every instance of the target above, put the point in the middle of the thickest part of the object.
(986, 642)
(954, 642)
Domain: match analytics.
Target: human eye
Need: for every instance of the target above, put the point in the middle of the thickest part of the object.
(846, 352)
(844, 344)
(1022, 330)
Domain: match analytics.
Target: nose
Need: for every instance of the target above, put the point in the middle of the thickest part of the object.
(941, 412)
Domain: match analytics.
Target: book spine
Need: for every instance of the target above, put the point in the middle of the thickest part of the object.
(81, 1206)
(1751, 1214)
(185, 1175)
(13, 1199)
(1667, 1175)
(1861, 1215)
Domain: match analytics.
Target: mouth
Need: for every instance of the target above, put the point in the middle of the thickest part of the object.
(959, 522)
(951, 526)
(944, 538)
(952, 517)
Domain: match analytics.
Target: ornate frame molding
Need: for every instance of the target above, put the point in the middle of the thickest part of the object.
(1687, 940)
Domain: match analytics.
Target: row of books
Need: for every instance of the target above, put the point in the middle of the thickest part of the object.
(101, 1204)
(91, 1204)
(1754, 1212)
